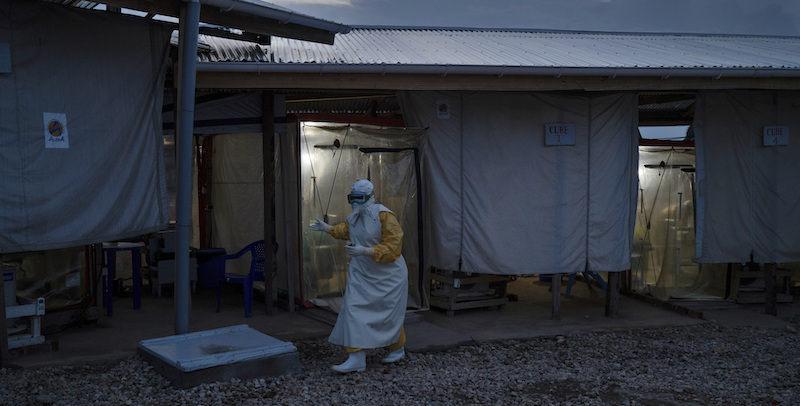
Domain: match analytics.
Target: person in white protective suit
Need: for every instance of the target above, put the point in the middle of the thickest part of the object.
(374, 305)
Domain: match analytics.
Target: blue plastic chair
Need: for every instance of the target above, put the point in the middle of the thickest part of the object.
(256, 273)
(586, 276)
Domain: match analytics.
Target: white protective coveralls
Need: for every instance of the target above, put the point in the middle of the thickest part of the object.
(374, 304)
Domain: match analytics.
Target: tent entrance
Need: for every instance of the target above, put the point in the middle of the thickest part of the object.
(663, 263)
(332, 157)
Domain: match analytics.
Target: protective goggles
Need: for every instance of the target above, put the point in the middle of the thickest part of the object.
(351, 198)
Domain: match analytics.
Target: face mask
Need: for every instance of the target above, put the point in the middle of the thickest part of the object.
(357, 206)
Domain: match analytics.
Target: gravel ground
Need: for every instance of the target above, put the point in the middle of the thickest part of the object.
(698, 365)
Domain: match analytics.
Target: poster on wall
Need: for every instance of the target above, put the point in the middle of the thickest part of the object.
(55, 130)
(443, 109)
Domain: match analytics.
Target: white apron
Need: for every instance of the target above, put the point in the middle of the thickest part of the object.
(374, 305)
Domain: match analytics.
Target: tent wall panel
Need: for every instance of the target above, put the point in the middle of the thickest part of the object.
(441, 156)
(613, 186)
(105, 74)
(502, 202)
(748, 193)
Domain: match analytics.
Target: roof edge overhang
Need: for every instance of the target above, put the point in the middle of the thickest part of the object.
(444, 70)
(256, 18)
(283, 16)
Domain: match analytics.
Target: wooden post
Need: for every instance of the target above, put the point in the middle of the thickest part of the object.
(5, 356)
(728, 280)
(555, 287)
(268, 142)
(771, 289)
(612, 295)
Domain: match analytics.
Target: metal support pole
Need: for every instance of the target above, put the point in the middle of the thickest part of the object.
(268, 148)
(187, 48)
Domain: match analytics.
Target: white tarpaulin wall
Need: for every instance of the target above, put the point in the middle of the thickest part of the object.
(96, 80)
(748, 193)
(502, 202)
(237, 195)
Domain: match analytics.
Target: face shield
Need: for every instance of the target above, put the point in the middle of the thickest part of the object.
(358, 198)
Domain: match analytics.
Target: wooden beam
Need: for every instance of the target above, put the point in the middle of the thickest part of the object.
(555, 288)
(376, 81)
(268, 142)
(612, 294)
(5, 356)
(771, 289)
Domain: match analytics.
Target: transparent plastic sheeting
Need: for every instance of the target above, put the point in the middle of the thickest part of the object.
(748, 193)
(110, 181)
(58, 275)
(663, 261)
(332, 157)
(502, 202)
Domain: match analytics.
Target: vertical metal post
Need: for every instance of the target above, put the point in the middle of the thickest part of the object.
(268, 145)
(187, 49)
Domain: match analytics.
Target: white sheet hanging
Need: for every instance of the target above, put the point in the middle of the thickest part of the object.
(105, 74)
(502, 202)
(748, 194)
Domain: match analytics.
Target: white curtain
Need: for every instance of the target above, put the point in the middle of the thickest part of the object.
(748, 193)
(102, 75)
(237, 195)
(502, 202)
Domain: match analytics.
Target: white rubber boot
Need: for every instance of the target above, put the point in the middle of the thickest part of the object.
(356, 362)
(394, 356)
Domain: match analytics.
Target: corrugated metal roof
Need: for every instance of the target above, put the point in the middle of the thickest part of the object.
(393, 46)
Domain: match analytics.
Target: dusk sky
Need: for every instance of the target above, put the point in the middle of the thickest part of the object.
(765, 17)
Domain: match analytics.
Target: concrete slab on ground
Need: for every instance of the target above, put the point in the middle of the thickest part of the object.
(218, 355)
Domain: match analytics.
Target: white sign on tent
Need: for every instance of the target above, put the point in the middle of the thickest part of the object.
(776, 135)
(55, 130)
(559, 134)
